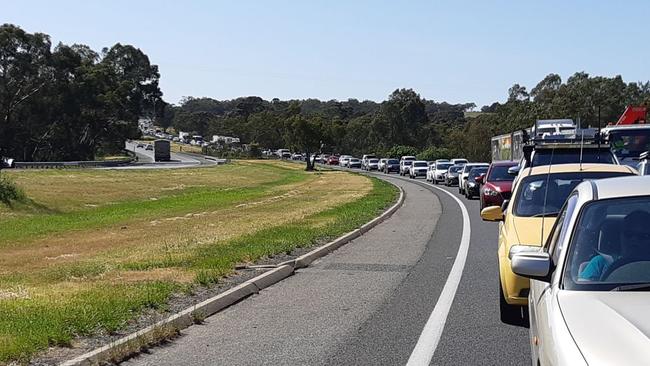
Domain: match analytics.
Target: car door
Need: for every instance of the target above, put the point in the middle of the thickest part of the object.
(542, 304)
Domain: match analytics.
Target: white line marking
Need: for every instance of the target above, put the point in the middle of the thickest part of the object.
(430, 336)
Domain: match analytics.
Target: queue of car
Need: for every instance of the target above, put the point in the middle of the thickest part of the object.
(573, 252)
(573, 246)
(573, 243)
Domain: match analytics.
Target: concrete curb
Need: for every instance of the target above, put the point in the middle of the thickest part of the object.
(135, 342)
(306, 259)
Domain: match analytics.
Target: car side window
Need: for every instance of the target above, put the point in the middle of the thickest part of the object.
(561, 228)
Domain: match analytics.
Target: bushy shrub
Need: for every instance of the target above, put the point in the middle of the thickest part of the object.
(434, 153)
(401, 150)
(9, 192)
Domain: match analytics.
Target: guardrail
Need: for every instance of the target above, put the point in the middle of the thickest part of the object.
(71, 164)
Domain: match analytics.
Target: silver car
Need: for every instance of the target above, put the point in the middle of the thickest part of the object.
(589, 299)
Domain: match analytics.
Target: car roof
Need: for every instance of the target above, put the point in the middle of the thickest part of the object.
(622, 186)
(421, 161)
(504, 163)
(476, 164)
(568, 168)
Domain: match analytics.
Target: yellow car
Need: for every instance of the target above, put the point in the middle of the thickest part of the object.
(537, 196)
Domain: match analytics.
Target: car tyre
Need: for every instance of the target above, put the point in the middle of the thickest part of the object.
(512, 314)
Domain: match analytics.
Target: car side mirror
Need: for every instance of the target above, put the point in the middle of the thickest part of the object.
(531, 263)
(513, 170)
(465, 177)
(504, 205)
(492, 213)
(479, 179)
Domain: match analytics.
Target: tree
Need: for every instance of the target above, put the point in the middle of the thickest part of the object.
(24, 72)
(304, 135)
(70, 103)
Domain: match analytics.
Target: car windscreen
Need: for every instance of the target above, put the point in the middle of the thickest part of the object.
(373, 161)
(408, 162)
(455, 169)
(541, 195)
(392, 161)
(499, 173)
(469, 167)
(420, 165)
(443, 166)
(572, 156)
(629, 143)
(610, 248)
(476, 172)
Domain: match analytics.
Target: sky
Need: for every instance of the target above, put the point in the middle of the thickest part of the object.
(454, 51)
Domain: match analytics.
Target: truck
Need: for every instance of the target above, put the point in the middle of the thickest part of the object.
(509, 146)
(629, 137)
(161, 150)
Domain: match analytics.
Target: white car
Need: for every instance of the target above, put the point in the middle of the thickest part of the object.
(418, 169)
(464, 174)
(354, 163)
(430, 169)
(440, 171)
(459, 161)
(589, 299)
(404, 166)
(371, 164)
(343, 160)
(407, 157)
(365, 158)
(382, 164)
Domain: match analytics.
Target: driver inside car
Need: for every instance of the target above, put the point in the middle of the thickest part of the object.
(634, 245)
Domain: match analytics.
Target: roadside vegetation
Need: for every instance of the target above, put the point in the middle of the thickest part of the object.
(90, 249)
(9, 192)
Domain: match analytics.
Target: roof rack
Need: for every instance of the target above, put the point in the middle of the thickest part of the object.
(579, 136)
(644, 156)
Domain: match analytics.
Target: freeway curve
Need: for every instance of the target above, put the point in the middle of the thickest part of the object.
(406, 292)
(178, 160)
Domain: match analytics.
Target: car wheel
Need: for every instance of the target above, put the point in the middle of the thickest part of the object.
(512, 314)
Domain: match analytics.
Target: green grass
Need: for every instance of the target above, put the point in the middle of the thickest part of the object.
(75, 300)
(25, 228)
(30, 325)
(217, 260)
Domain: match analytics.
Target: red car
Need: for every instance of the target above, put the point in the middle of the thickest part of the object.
(496, 185)
(333, 160)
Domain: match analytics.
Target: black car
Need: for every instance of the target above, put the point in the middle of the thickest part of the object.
(451, 178)
(473, 187)
(392, 165)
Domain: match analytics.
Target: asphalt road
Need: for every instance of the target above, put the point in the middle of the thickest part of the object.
(368, 302)
(178, 160)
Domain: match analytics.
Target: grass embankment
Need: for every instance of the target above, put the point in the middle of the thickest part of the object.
(90, 249)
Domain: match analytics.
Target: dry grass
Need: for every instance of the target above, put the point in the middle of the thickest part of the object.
(146, 233)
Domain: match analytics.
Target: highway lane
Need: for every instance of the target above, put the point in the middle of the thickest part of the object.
(368, 302)
(178, 160)
(474, 334)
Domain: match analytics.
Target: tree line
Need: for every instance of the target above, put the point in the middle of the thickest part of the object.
(72, 103)
(69, 102)
(406, 123)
